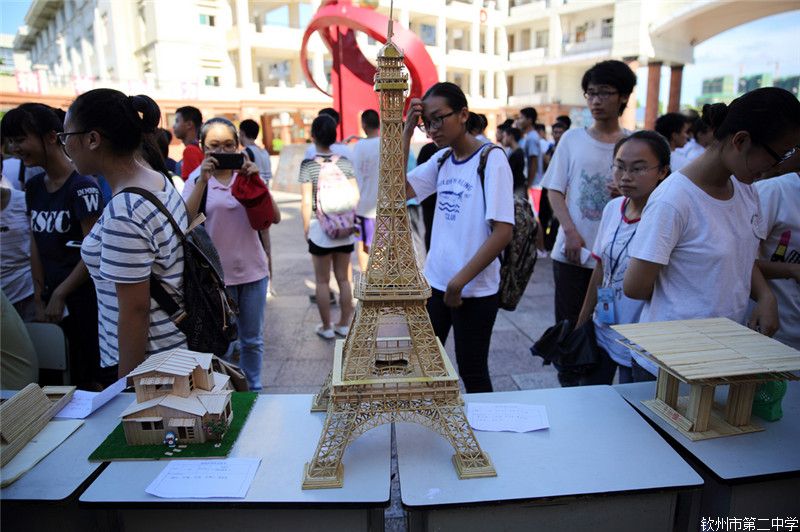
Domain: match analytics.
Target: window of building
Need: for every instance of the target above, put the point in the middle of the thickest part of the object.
(277, 17)
(164, 388)
(607, 28)
(427, 32)
(147, 425)
(713, 85)
(158, 425)
(542, 38)
(580, 32)
(510, 85)
(540, 83)
(525, 40)
(460, 41)
(210, 81)
(208, 20)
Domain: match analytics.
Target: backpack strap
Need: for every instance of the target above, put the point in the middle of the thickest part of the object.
(157, 291)
(443, 159)
(203, 199)
(250, 154)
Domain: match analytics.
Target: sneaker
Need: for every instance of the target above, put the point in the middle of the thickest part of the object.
(342, 330)
(328, 334)
(542, 254)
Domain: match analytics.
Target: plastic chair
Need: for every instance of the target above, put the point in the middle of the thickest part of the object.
(51, 348)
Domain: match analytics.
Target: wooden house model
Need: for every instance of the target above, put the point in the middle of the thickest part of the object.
(177, 391)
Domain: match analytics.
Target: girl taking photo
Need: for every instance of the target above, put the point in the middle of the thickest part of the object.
(694, 254)
(641, 162)
(244, 261)
(63, 206)
(472, 224)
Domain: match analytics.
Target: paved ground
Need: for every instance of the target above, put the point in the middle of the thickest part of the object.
(296, 360)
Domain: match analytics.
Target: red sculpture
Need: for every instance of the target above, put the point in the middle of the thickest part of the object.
(352, 76)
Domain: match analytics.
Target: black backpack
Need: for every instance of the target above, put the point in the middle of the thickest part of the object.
(209, 316)
(519, 257)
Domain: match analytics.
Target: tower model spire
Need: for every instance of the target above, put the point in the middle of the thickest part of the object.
(391, 367)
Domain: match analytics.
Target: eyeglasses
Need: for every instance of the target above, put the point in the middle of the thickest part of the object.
(433, 123)
(226, 147)
(637, 171)
(62, 137)
(779, 158)
(600, 95)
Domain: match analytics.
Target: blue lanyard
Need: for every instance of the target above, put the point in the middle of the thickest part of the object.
(615, 262)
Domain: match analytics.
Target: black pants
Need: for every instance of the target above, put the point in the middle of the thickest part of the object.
(80, 328)
(472, 325)
(571, 283)
(548, 221)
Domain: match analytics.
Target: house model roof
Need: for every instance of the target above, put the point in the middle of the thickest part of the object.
(197, 403)
(175, 362)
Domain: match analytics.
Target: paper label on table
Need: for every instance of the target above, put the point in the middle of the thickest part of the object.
(512, 417)
(202, 479)
(84, 403)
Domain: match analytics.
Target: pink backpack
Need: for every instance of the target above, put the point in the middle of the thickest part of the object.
(335, 204)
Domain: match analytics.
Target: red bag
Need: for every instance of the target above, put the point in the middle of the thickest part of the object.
(253, 194)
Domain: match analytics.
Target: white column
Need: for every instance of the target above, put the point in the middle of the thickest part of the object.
(99, 49)
(245, 51)
(86, 58)
(556, 35)
(442, 43)
(475, 48)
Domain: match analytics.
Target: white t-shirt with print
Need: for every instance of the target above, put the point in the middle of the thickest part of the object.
(461, 222)
(780, 206)
(366, 160)
(611, 248)
(581, 170)
(707, 248)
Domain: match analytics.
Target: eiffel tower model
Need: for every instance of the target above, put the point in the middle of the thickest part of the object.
(391, 367)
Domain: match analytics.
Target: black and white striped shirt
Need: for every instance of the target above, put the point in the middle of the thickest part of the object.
(131, 239)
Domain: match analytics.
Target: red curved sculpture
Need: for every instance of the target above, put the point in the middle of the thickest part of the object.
(352, 76)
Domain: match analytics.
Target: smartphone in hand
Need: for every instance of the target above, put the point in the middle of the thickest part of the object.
(229, 161)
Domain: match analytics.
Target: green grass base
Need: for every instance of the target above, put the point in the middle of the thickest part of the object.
(115, 447)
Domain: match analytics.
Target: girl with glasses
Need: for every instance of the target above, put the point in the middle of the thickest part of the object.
(133, 243)
(694, 254)
(63, 206)
(472, 224)
(243, 258)
(641, 162)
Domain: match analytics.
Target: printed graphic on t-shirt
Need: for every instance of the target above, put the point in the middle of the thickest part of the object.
(90, 197)
(782, 252)
(452, 193)
(593, 195)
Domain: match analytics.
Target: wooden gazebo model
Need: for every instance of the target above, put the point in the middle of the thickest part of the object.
(704, 354)
(391, 367)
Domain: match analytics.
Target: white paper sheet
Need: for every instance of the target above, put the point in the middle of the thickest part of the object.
(84, 403)
(202, 479)
(513, 417)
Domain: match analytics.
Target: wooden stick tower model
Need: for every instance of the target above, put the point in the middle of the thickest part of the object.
(391, 367)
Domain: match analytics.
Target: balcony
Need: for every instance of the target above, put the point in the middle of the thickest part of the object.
(299, 93)
(591, 45)
(527, 11)
(527, 58)
(520, 100)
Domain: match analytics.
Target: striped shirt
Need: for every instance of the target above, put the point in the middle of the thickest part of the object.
(15, 249)
(129, 241)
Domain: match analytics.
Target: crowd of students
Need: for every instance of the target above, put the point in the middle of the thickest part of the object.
(698, 218)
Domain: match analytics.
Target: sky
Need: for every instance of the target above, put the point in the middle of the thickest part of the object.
(767, 45)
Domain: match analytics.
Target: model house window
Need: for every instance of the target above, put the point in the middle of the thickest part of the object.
(190, 432)
(207, 20)
(540, 84)
(228, 410)
(191, 380)
(164, 387)
(158, 425)
(147, 425)
(607, 28)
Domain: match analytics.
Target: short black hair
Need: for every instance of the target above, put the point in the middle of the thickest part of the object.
(539, 127)
(191, 114)
(529, 113)
(451, 92)
(370, 119)
(670, 123)
(31, 118)
(508, 122)
(474, 123)
(323, 129)
(698, 126)
(657, 143)
(249, 128)
(514, 132)
(564, 119)
(163, 139)
(484, 121)
(217, 120)
(331, 112)
(559, 124)
(613, 73)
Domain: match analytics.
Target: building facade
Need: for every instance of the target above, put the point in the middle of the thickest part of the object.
(240, 58)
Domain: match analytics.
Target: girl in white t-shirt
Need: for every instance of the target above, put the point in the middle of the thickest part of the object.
(472, 224)
(695, 250)
(641, 162)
